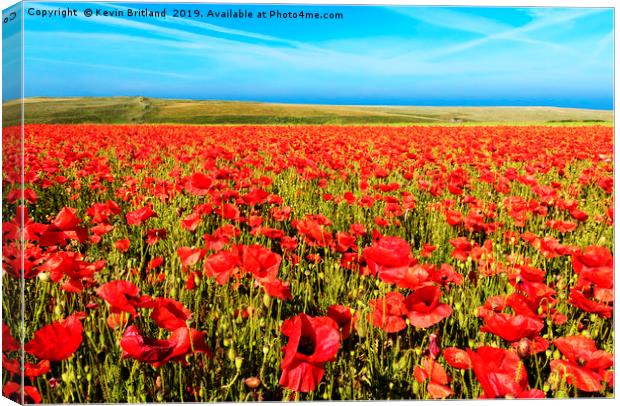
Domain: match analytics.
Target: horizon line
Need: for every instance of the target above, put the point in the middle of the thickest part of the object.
(315, 104)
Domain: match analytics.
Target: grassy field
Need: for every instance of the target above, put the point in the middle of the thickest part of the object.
(142, 110)
(167, 263)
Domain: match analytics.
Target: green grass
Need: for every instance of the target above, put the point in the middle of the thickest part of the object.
(142, 110)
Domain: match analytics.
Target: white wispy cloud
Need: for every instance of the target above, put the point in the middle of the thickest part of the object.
(107, 67)
(542, 20)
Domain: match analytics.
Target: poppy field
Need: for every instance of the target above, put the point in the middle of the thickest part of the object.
(166, 263)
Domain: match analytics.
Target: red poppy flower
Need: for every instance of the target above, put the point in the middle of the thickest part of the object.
(432, 370)
(585, 366)
(190, 256)
(261, 262)
(456, 357)
(594, 266)
(64, 227)
(446, 275)
(562, 226)
(454, 218)
(117, 320)
(582, 351)
(30, 370)
(66, 219)
(139, 216)
(122, 245)
(71, 265)
(198, 184)
(387, 313)
(155, 235)
(424, 309)
(101, 229)
(278, 289)
(155, 263)
(462, 248)
(170, 314)
(57, 341)
(230, 212)
(222, 265)
(9, 343)
(344, 242)
(192, 221)
(122, 296)
(281, 213)
(438, 378)
(389, 257)
(500, 372)
(188, 341)
(182, 342)
(579, 299)
(343, 317)
(312, 342)
(31, 231)
(314, 231)
(101, 212)
(12, 390)
(145, 349)
(511, 328)
(427, 250)
(593, 257)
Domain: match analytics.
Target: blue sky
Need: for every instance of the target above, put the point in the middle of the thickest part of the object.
(375, 55)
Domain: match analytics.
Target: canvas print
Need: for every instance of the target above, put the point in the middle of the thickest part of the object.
(214, 202)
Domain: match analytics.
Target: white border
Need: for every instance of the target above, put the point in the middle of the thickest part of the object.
(497, 3)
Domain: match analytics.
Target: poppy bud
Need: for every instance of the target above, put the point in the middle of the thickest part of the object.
(57, 310)
(433, 347)
(231, 354)
(252, 382)
(238, 362)
(158, 382)
(44, 276)
(524, 348)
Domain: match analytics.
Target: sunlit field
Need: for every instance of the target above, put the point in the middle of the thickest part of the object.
(246, 263)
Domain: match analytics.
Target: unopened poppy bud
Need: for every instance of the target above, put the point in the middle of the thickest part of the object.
(44, 276)
(252, 382)
(238, 362)
(231, 354)
(524, 348)
(433, 347)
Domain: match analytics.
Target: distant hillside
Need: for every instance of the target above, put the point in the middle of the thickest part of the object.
(138, 110)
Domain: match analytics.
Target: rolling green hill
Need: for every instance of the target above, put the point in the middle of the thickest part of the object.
(142, 110)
